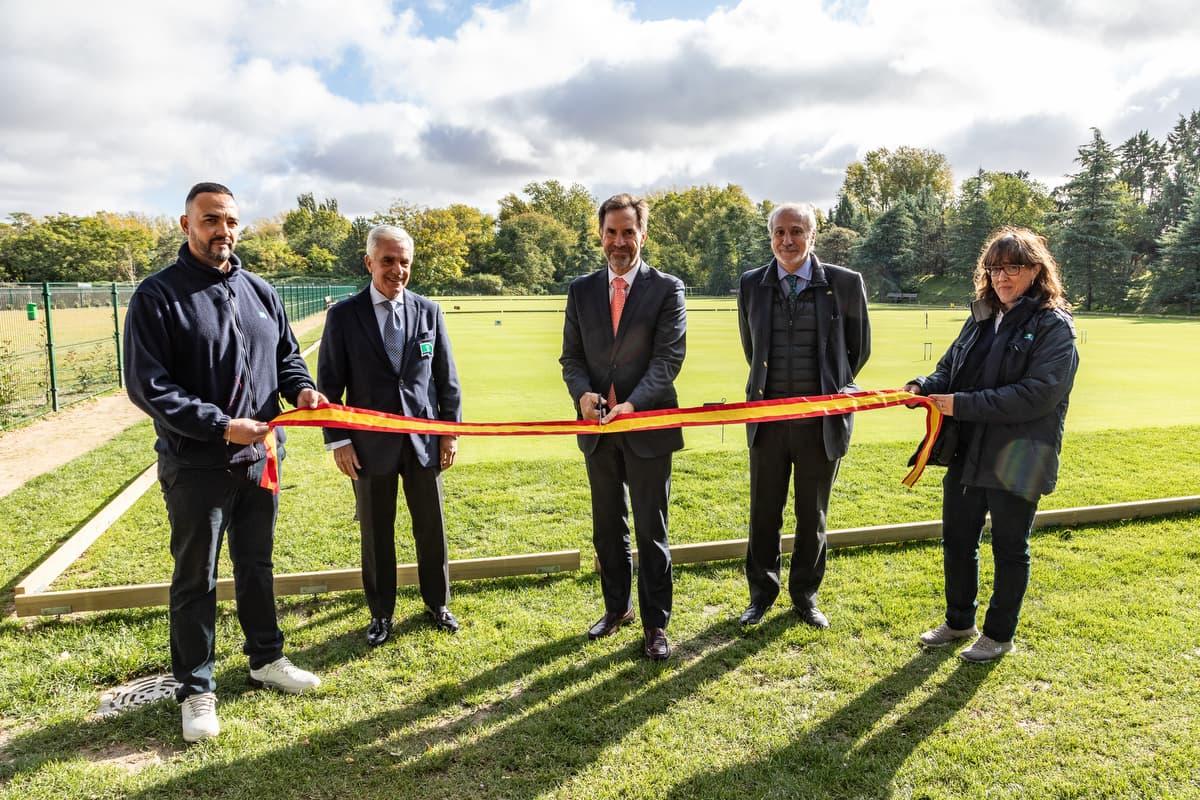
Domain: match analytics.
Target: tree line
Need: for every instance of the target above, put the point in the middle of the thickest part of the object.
(1124, 228)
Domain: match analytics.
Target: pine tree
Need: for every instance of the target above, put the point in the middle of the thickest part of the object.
(970, 226)
(1094, 254)
(1176, 276)
(887, 254)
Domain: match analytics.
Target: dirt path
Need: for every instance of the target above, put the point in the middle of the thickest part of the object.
(54, 440)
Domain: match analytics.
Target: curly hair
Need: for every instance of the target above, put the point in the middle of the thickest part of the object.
(1012, 245)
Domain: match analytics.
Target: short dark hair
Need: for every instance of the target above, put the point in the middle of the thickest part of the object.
(624, 200)
(205, 187)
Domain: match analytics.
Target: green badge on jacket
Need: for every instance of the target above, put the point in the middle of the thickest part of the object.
(426, 348)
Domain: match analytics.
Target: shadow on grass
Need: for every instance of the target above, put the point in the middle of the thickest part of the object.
(561, 705)
(832, 759)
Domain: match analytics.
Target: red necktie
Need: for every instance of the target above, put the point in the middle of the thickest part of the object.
(616, 306)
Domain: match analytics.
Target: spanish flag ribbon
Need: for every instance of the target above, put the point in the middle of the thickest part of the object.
(360, 419)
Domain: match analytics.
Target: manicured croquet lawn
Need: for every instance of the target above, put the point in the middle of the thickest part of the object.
(1099, 700)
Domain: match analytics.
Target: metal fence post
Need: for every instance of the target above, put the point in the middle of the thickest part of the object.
(117, 336)
(50, 348)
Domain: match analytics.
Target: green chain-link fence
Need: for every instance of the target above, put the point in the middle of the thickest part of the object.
(61, 342)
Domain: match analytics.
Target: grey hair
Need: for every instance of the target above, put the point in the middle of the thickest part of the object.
(808, 217)
(393, 232)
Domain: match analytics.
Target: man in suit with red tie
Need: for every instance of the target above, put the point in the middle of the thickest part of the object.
(623, 345)
(386, 349)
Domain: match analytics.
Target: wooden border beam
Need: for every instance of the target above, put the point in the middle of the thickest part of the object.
(108, 598)
(932, 529)
(62, 558)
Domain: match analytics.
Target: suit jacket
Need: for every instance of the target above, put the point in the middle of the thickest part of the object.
(353, 362)
(640, 361)
(843, 337)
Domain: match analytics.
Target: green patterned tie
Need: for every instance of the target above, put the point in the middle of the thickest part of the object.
(793, 292)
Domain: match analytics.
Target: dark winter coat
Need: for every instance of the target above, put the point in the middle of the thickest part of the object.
(1013, 415)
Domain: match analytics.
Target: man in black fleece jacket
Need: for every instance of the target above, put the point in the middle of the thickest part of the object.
(208, 352)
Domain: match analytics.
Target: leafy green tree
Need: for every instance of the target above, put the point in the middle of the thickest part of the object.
(479, 229)
(440, 251)
(354, 248)
(264, 250)
(62, 247)
(316, 231)
(883, 177)
(530, 247)
(1092, 250)
(835, 244)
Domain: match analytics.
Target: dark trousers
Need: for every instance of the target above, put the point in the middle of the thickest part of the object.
(376, 499)
(612, 467)
(963, 512)
(203, 505)
(784, 451)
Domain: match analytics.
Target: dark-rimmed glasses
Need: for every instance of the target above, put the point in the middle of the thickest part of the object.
(1008, 269)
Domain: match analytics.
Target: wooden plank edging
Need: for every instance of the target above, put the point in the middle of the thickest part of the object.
(108, 598)
(62, 558)
(932, 529)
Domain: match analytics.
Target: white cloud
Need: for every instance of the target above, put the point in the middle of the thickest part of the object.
(120, 106)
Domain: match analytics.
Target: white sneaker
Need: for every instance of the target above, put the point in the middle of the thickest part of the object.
(943, 635)
(986, 649)
(285, 676)
(200, 717)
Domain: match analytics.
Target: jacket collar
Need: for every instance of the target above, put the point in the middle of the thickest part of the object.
(982, 310)
(770, 276)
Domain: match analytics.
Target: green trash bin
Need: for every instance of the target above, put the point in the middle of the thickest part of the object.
(31, 311)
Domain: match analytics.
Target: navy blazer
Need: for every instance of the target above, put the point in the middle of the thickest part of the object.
(843, 337)
(640, 361)
(353, 363)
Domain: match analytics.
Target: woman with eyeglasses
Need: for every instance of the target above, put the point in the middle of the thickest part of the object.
(1003, 386)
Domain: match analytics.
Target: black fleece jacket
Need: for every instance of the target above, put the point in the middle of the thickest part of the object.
(1016, 409)
(202, 347)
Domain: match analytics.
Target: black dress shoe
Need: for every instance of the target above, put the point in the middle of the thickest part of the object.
(379, 631)
(443, 619)
(656, 647)
(813, 616)
(753, 614)
(609, 623)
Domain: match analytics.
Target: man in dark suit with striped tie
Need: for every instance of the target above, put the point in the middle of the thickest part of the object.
(623, 345)
(805, 331)
(386, 349)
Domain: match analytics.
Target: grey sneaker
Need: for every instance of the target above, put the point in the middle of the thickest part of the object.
(943, 635)
(199, 717)
(986, 649)
(285, 676)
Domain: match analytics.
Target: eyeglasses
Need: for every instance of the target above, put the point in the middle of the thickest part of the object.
(1009, 269)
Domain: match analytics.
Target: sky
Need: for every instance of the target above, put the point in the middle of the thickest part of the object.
(123, 106)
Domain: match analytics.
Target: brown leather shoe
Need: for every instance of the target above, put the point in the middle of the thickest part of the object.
(609, 623)
(656, 647)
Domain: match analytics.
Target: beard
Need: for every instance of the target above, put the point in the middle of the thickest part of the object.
(218, 252)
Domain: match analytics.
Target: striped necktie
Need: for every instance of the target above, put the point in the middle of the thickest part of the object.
(393, 336)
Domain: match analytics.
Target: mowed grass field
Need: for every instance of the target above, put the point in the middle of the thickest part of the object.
(1099, 701)
(1134, 371)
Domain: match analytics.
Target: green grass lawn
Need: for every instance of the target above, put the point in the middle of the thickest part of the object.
(1132, 370)
(1099, 701)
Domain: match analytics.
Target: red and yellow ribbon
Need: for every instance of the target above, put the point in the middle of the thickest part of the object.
(360, 419)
